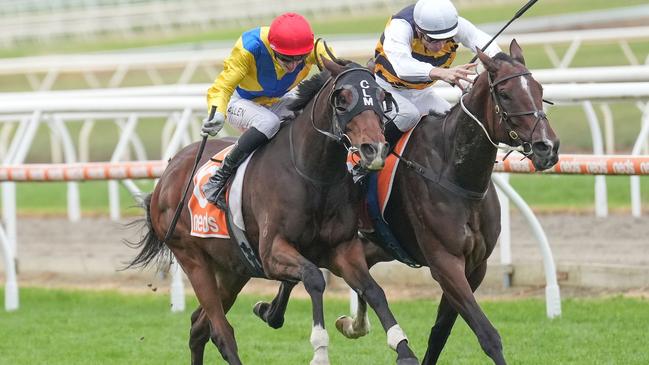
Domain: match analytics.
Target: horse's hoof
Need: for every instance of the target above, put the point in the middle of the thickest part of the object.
(260, 310)
(319, 362)
(408, 361)
(344, 325)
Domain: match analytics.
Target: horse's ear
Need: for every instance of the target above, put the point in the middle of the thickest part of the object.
(488, 63)
(332, 66)
(516, 52)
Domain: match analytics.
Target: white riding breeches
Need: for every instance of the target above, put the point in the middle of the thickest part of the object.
(413, 104)
(243, 113)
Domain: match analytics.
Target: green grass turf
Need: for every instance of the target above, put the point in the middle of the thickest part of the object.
(72, 327)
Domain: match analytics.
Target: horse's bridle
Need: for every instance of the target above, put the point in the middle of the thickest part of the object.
(342, 116)
(524, 147)
(505, 116)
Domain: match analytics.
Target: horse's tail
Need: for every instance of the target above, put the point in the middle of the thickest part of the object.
(152, 247)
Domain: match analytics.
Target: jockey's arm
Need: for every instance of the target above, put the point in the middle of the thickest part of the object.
(235, 68)
(398, 49)
(471, 37)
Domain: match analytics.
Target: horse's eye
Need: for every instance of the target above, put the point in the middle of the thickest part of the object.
(503, 95)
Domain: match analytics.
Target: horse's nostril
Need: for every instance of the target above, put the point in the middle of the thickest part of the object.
(368, 150)
(542, 148)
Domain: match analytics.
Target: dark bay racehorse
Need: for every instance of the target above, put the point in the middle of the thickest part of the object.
(447, 215)
(300, 209)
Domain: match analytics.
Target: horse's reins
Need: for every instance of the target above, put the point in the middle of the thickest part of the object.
(505, 116)
(337, 134)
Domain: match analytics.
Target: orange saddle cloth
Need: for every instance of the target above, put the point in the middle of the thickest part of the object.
(385, 179)
(207, 220)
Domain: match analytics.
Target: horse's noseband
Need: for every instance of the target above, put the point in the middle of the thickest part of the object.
(505, 115)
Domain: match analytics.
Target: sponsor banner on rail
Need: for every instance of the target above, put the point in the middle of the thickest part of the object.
(83, 171)
(579, 165)
(515, 163)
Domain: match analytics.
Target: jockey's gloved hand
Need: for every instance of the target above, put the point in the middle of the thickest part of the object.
(213, 126)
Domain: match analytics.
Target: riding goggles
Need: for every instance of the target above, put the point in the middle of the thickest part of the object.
(430, 39)
(289, 59)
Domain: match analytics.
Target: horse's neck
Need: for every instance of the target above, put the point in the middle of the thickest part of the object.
(316, 155)
(469, 154)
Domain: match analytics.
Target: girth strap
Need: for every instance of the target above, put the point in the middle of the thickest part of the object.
(245, 249)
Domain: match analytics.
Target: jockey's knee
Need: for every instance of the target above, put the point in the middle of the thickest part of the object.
(408, 116)
(269, 125)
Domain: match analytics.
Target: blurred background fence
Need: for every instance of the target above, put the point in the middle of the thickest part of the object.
(146, 103)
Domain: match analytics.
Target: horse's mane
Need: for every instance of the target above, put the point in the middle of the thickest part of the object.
(308, 88)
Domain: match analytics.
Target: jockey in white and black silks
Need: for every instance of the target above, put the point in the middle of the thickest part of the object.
(255, 87)
(416, 49)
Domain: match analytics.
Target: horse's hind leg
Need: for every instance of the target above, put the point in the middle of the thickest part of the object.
(199, 333)
(448, 270)
(273, 313)
(446, 316)
(349, 261)
(213, 300)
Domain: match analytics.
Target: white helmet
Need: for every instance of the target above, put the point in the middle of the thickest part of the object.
(436, 18)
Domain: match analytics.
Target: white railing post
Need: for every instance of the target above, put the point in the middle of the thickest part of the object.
(636, 199)
(552, 296)
(74, 205)
(177, 137)
(11, 284)
(601, 203)
(16, 154)
(177, 288)
(113, 186)
(505, 240)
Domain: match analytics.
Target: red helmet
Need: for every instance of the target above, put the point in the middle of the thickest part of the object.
(290, 34)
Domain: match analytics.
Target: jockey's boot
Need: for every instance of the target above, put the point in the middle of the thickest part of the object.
(392, 134)
(214, 188)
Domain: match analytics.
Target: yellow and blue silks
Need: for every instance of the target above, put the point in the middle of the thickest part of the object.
(254, 72)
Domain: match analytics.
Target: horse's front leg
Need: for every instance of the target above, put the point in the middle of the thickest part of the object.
(281, 261)
(446, 316)
(448, 270)
(357, 326)
(273, 313)
(349, 261)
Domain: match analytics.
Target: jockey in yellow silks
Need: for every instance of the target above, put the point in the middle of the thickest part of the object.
(417, 49)
(255, 87)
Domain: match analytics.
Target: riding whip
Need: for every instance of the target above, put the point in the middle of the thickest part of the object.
(181, 203)
(516, 16)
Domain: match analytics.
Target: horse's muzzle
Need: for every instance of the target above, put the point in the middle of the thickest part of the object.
(373, 155)
(545, 154)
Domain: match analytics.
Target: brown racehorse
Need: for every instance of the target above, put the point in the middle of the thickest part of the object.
(300, 209)
(444, 208)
